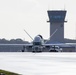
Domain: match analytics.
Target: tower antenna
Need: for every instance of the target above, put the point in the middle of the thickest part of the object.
(64, 7)
(75, 31)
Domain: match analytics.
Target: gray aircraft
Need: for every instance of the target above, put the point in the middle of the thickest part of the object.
(38, 44)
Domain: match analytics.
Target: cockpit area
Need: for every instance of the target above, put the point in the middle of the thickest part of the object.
(37, 40)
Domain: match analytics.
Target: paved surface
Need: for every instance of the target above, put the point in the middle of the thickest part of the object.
(39, 63)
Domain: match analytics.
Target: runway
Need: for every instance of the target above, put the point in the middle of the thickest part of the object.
(28, 63)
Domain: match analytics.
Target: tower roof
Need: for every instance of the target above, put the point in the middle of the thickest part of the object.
(57, 16)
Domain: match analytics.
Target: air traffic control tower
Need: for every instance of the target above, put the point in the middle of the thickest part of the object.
(56, 19)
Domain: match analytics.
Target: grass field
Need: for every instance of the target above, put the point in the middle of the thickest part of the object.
(3, 72)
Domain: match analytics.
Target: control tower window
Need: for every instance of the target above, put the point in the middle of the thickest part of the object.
(56, 17)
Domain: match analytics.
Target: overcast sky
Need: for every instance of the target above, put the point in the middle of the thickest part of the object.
(31, 15)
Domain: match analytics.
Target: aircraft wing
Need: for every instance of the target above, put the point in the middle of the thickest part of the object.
(16, 44)
(59, 44)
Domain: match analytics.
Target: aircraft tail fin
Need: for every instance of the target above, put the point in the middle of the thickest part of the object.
(52, 35)
(28, 34)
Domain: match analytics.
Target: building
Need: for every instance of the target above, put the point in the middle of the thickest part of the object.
(56, 20)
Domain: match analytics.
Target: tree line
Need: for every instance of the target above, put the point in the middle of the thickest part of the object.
(13, 41)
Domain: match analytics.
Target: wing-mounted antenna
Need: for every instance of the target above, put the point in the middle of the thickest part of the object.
(28, 34)
(52, 35)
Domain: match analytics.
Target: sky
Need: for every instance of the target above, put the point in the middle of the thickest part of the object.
(31, 15)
